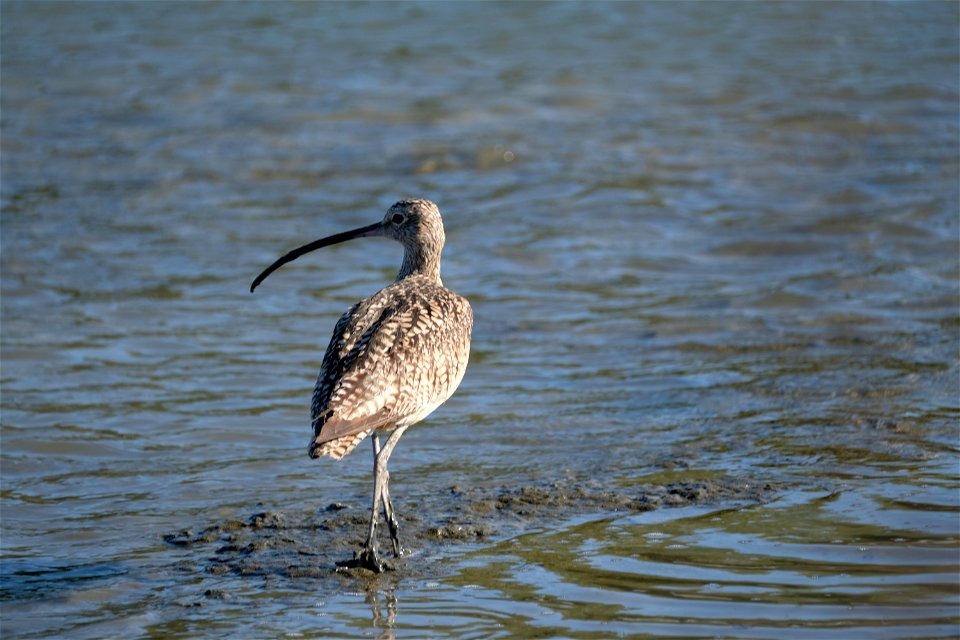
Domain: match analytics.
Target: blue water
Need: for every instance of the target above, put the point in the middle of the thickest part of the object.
(704, 243)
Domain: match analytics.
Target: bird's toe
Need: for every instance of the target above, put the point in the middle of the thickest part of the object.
(365, 558)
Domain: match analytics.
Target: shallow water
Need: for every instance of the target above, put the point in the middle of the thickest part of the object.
(712, 251)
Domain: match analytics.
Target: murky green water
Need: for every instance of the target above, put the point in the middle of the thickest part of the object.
(712, 251)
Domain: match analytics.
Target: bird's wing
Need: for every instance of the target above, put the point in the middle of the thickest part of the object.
(356, 389)
(392, 356)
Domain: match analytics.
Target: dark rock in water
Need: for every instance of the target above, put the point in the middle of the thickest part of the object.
(460, 532)
(183, 538)
(295, 571)
(267, 520)
(691, 491)
(218, 569)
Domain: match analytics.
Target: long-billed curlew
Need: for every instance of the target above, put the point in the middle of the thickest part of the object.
(394, 357)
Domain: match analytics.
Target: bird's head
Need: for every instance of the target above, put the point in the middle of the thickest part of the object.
(416, 224)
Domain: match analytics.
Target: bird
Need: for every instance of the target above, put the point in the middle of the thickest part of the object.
(394, 357)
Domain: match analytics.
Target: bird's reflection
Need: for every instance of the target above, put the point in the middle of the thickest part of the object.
(383, 622)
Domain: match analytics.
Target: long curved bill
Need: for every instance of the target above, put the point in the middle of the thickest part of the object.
(362, 232)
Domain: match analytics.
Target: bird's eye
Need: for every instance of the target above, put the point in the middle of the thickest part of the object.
(398, 218)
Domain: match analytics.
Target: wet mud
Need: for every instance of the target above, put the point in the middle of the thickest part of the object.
(309, 544)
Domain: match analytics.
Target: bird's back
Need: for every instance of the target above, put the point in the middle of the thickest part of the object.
(394, 357)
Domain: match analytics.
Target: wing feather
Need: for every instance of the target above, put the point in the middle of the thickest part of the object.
(393, 358)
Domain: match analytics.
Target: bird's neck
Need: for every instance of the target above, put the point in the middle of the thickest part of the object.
(420, 263)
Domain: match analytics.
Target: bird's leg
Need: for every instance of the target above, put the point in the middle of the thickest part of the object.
(391, 518)
(388, 514)
(383, 476)
(368, 556)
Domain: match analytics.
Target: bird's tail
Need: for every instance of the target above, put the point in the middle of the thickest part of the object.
(337, 448)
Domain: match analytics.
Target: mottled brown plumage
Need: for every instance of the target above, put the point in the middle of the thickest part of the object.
(394, 357)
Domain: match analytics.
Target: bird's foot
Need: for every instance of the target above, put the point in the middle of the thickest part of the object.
(365, 558)
(395, 538)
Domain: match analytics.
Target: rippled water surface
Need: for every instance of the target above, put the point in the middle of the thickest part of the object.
(712, 251)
